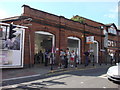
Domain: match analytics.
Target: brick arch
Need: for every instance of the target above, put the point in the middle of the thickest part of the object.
(49, 31)
(79, 47)
(74, 36)
(45, 29)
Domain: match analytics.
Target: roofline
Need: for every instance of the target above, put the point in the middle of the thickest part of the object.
(108, 25)
(10, 18)
(57, 15)
(19, 17)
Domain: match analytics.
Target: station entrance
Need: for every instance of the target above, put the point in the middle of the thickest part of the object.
(94, 51)
(74, 44)
(43, 42)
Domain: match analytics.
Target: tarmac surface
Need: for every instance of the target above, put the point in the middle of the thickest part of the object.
(39, 69)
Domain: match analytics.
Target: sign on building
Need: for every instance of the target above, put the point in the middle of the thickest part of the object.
(106, 40)
(90, 39)
(112, 30)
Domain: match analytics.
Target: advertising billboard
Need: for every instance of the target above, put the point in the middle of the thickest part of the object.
(11, 50)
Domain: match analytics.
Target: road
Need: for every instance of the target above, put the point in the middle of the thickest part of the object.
(88, 78)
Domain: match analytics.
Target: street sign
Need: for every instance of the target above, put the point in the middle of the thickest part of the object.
(106, 40)
(89, 39)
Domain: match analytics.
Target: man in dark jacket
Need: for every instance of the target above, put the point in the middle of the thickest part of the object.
(86, 58)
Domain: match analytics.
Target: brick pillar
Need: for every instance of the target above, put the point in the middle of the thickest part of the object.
(63, 40)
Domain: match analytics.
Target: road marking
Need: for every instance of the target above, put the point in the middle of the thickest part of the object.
(103, 76)
(52, 73)
(81, 82)
(65, 71)
(21, 77)
(13, 86)
(104, 87)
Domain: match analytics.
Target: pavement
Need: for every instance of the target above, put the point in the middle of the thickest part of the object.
(39, 69)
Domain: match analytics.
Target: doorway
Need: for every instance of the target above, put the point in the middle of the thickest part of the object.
(74, 44)
(94, 47)
(44, 41)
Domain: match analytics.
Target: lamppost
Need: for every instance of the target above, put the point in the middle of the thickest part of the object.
(101, 28)
(84, 44)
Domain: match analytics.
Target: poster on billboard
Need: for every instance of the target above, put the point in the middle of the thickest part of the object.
(12, 50)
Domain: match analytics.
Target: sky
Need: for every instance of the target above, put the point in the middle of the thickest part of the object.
(104, 11)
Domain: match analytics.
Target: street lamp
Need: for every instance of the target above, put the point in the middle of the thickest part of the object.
(84, 41)
(106, 44)
(101, 28)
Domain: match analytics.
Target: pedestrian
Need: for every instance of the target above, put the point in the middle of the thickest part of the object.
(40, 56)
(72, 58)
(76, 60)
(35, 58)
(46, 57)
(67, 57)
(86, 58)
(50, 57)
(62, 58)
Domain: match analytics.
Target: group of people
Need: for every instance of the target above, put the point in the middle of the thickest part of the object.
(46, 57)
(68, 58)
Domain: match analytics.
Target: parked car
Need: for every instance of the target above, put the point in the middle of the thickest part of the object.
(113, 73)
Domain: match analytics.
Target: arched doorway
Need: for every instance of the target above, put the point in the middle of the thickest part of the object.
(74, 44)
(95, 49)
(43, 41)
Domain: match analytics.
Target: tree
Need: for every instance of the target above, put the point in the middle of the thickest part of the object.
(78, 19)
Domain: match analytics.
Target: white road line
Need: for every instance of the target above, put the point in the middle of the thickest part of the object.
(104, 87)
(21, 77)
(103, 76)
(81, 82)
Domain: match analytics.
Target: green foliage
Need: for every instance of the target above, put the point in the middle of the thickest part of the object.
(78, 19)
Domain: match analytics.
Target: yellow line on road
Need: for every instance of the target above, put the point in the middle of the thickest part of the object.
(59, 72)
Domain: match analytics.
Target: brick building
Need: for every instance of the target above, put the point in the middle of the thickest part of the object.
(47, 30)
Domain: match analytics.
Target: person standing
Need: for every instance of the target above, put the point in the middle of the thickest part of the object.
(76, 61)
(72, 58)
(40, 54)
(86, 58)
(62, 58)
(46, 57)
(67, 57)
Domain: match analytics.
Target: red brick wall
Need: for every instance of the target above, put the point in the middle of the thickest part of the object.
(61, 28)
(61, 42)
